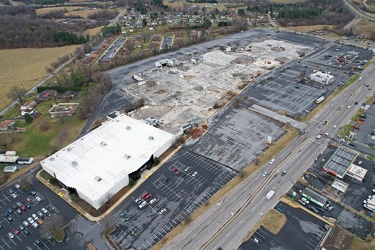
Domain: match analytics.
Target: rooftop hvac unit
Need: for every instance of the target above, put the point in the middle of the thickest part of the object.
(97, 178)
(128, 128)
(74, 163)
(151, 138)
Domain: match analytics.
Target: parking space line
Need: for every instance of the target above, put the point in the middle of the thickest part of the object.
(6, 243)
(6, 198)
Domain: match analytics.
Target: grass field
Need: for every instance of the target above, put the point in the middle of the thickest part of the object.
(82, 13)
(308, 28)
(286, 1)
(94, 31)
(359, 244)
(35, 142)
(273, 221)
(43, 11)
(26, 67)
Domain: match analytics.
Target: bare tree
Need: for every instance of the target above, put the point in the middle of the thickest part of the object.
(16, 93)
(43, 125)
(52, 225)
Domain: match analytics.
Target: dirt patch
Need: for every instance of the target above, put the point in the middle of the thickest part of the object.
(198, 132)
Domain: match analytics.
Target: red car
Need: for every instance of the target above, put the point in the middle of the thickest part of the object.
(15, 231)
(23, 208)
(356, 127)
(144, 195)
(148, 196)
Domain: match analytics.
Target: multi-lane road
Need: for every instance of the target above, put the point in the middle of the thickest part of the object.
(226, 223)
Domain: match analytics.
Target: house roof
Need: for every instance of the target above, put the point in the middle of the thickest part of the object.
(5, 124)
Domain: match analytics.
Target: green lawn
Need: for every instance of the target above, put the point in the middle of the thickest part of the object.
(345, 130)
(36, 142)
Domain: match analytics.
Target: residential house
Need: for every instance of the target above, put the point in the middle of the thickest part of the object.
(7, 124)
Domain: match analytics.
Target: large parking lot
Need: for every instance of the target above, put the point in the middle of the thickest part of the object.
(289, 88)
(192, 176)
(237, 137)
(301, 231)
(182, 185)
(19, 209)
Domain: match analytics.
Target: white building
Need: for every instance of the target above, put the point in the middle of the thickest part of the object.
(321, 77)
(99, 164)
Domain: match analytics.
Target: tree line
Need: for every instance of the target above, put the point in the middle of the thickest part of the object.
(20, 28)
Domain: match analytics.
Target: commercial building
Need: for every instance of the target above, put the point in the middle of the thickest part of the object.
(99, 164)
(339, 163)
(322, 78)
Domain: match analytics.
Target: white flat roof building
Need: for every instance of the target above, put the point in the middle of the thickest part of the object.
(321, 77)
(98, 165)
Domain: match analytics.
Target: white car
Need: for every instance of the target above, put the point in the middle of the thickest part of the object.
(194, 174)
(35, 225)
(44, 210)
(10, 235)
(143, 204)
(305, 200)
(38, 198)
(25, 223)
(271, 161)
(163, 211)
(14, 195)
(34, 216)
(31, 220)
(265, 174)
(152, 201)
(18, 186)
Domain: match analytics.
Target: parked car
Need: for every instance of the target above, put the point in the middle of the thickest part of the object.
(34, 216)
(10, 211)
(25, 223)
(44, 210)
(148, 196)
(194, 174)
(21, 228)
(15, 231)
(23, 208)
(39, 220)
(14, 195)
(305, 200)
(19, 204)
(27, 205)
(38, 242)
(40, 214)
(18, 186)
(152, 201)
(138, 200)
(144, 195)
(10, 191)
(163, 211)
(187, 169)
(30, 220)
(35, 225)
(26, 232)
(142, 204)
(38, 198)
(19, 211)
(301, 202)
(10, 235)
(33, 193)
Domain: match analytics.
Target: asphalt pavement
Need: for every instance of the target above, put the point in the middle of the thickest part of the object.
(301, 152)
